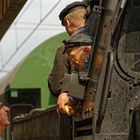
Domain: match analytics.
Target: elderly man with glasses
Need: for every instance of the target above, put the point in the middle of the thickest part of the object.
(4, 119)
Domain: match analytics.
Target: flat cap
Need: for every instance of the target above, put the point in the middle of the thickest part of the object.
(71, 7)
(77, 39)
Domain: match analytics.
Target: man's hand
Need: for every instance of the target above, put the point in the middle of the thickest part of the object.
(88, 106)
(64, 105)
(62, 100)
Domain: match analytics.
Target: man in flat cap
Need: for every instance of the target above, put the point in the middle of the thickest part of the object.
(79, 48)
(73, 17)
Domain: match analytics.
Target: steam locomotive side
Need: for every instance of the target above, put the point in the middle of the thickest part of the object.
(116, 115)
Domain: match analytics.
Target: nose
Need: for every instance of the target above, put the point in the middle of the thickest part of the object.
(6, 108)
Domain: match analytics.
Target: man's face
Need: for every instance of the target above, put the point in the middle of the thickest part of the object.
(4, 119)
(79, 55)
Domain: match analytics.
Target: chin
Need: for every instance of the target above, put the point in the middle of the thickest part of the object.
(7, 122)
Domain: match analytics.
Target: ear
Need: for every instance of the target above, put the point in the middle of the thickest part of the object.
(67, 22)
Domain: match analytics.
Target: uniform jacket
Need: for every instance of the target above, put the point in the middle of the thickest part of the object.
(61, 63)
(61, 66)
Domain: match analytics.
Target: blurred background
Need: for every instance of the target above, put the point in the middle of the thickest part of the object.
(36, 22)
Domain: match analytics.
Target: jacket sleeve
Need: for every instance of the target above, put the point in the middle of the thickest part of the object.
(60, 67)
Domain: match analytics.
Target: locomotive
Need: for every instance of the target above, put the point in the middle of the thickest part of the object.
(116, 85)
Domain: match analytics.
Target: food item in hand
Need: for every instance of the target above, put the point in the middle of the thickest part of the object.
(69, 110)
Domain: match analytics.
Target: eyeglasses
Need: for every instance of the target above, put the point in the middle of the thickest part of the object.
(1, 106)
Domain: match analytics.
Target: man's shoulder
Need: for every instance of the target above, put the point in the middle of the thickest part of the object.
(60, 53)
(60, 50)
